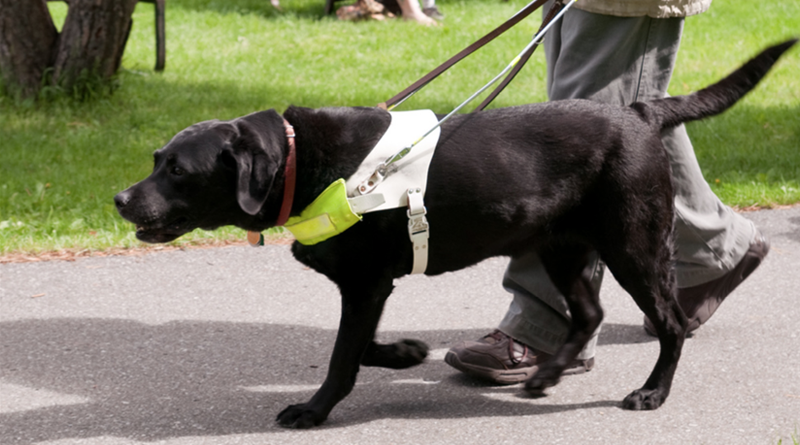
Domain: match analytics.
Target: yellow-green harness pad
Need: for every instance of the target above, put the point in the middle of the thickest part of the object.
(329, 215)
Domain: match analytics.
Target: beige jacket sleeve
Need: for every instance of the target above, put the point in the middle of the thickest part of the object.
(638, 8)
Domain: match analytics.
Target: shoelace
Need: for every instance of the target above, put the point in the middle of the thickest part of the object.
(499, 336)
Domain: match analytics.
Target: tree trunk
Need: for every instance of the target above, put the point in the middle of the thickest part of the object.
(90, 45)
(93, 39)
(27, 44)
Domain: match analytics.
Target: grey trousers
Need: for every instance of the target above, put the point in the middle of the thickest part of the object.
(622, 60)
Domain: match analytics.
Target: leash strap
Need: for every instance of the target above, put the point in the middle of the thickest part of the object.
(418, 230)
(408, 92)
(555, 9)
(386, 167)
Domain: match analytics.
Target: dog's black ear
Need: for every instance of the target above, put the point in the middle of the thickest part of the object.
(258, 151)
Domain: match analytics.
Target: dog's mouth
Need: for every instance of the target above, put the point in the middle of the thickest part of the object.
(156, 233)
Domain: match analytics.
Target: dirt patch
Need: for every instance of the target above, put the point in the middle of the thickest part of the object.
(75, 254)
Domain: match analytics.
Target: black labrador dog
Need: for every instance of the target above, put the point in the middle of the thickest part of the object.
(561, 178)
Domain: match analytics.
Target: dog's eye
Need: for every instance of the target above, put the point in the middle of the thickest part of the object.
(177, 171)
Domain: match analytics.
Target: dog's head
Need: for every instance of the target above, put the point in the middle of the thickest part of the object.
(211, 174)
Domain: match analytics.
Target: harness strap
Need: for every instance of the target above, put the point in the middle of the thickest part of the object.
(418, 230)
(403, 95)
(363, 203)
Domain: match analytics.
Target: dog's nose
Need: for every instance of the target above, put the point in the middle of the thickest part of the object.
(122, 199)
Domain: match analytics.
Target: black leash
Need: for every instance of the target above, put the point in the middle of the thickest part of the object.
(557, 5)
(523, 13)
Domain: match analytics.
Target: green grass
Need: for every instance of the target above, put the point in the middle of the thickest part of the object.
(794, 438)
(61, 162)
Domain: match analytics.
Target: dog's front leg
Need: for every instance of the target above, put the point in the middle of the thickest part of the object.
(362, 305)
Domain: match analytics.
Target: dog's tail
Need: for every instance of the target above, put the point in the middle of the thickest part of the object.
(712, 100)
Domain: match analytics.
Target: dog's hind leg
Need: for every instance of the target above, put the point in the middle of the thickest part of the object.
(571, 272)
(362, 304)
(642, 264)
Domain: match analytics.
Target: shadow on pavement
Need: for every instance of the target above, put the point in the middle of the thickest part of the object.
(151, 382)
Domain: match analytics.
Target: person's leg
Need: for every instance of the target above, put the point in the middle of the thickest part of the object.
(711, 237)
(538, 315)
(412, 11)
(717, 248)
(597, 57)
(534, 327)
(429, 8)
(624, 60)
(537, 321)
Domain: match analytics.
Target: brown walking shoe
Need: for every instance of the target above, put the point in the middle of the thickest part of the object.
(503, 360)
(700, 302)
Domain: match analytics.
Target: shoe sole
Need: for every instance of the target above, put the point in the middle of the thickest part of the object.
(510, 376)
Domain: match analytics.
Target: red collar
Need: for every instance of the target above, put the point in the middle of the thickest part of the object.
(290, 174)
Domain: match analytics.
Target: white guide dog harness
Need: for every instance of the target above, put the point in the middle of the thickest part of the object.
(405, 182)
(401, 183)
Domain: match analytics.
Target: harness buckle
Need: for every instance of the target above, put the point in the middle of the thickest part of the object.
(381, 172)
(417, 223)
(376, 178)
(418, 230)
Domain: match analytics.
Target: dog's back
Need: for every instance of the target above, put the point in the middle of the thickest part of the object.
(559, 160)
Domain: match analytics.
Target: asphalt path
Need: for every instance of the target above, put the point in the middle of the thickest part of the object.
(206, 346)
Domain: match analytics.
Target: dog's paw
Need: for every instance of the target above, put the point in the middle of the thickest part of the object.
(400, 355)
(545, 377)
(644, 399)
(299, 416)
(411, 352)
(539, 382)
